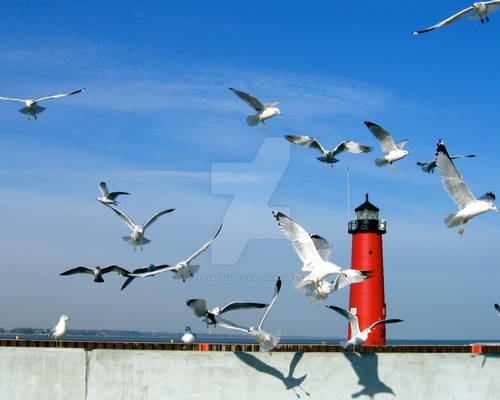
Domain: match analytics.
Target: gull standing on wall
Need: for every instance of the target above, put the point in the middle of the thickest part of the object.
(59, 331)
(188, 337)
(358, 337)
(315, 262)
(31, 106)
(329, 155)
(267, 341)
(264, 111)
(181, 270)
(393, 151)
(137, 238)
(97, 272)
(480, 10)
(454, 183)
(107, 196)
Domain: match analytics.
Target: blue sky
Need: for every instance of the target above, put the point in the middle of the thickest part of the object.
(158, 121)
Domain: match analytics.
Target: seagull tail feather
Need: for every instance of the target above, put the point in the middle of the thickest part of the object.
(344, 344)
(381, 161)
(252, 120)
(272, 343)
(451, 220)
(301, 284)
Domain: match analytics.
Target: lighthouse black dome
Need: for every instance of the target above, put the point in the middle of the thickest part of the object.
(366, 206)
(367, 219)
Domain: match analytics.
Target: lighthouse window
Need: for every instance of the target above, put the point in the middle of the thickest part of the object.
(370, 252)
(367, 214)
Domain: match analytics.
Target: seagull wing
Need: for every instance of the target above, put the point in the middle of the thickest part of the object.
(156, 216)
(383, 136)
(204, 247)
(385, 321)
(447, 21)
(126, 220)
(250, 100)
(78, 270)
(453, 180)
(103, 188)
(271, 103)
(199, 306)
(114, 195)
(115, 268)
(240, 305)
(324, 248)
(300, 239)
(492, 6)
(306, 141)
(143, 272)
(275, 296)
(401, 144)
(353, 320)
(230, 325)
(55, 96)
(462, 156)
(351, 147)
(497, 307)
(12, 99)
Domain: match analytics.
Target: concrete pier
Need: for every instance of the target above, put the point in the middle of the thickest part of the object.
(100, 374)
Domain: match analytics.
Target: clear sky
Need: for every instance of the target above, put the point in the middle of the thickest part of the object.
(158, 121)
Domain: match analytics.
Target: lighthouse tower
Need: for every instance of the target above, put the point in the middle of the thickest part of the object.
(366, 299)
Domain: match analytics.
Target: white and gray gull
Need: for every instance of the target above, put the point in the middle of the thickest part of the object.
(139, 272)
(31, 106)
(264, 111)
(430, 165)
(454, 183)
(97, 272)
(59, 331)
(107, 196)
(393, 151)
(137, 238)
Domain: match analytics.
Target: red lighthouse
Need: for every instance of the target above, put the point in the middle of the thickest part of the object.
(366, 299)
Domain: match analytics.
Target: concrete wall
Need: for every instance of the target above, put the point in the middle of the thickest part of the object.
(44, 373)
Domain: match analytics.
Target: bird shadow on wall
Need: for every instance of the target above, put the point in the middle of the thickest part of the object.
(289, 381)
(365, 365)
(485, 357)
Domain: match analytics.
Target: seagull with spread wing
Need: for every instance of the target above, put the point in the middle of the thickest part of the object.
(267, 341)
(199, 307)
(430, 165)
(393, 151)
(181, 270)
(31, 106)
(480, 10)
(97, 272)
(264, 111)
(107, 196)
(454, 183)
(315, 260)
(137, 238)
(328, 155)
(358, 337)
(140, 271)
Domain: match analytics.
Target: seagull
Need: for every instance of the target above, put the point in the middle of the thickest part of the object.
(97, 271)
(199, 307)
(107, 196)
(480, 10)
(357, 337)
(455, 185)
(315, 260)
(329, 155)
(264, 111)
(497, 307)
(188, 337)
(59, 331)
(137, 272)
(32, 108)
(393, 151)
(182, 270)
(137, 238)
(430, 165)
(267, 341)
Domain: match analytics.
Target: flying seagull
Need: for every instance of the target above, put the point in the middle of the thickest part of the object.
(328, 155)
(430, 165)
(139, 271)
(137, 238)
(59, 331)
(199, 307)
(453, 182)
(31, 106)
(181, 270)
(393, 151)
(97, 271)
(315, 261)
(107, 196)
(188, 337)
(480, 10)
(497, 307)
(267, 341)
(264, 111)
(357, 337)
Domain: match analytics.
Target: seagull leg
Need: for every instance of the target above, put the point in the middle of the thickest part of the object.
(28, 118)
(141, 248)
(482, 21)
(487, 19)
(34, 116)
(209, 331)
